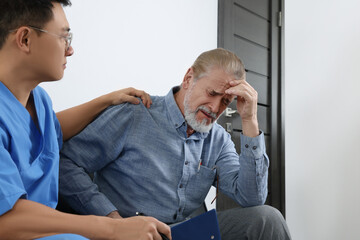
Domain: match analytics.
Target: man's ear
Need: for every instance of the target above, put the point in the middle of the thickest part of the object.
(23, 38)
(188, 78)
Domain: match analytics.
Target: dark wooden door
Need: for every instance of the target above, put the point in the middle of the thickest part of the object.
(252, 29)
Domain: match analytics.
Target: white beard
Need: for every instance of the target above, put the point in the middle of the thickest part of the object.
(190, 116)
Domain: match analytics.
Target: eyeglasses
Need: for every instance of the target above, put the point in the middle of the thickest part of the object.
(67, 38)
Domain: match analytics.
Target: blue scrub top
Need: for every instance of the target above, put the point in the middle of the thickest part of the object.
(29, 156)
(65, 236)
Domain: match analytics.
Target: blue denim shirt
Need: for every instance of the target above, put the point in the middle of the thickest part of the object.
(144, 162)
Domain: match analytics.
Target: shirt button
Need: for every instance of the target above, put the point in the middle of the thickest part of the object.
(176, 125)
(187, 162)
(254, 147)
(246, 145)
(175, 216)
(179, 209)
(181, 186)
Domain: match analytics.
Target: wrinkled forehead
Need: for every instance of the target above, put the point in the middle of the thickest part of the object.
(224, 85)
(221, 82)
(219, 88)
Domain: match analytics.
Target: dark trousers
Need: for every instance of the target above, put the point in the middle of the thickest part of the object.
(260, 222)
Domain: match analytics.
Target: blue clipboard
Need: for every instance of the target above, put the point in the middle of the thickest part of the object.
(202, 227)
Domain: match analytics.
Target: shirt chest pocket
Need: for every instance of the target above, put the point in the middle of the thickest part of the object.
(200, 183)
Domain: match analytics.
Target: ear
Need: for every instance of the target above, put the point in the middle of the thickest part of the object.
(188, 78)
(244, 77)
(23, 38)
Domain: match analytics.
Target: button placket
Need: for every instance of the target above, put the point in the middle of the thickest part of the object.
(185, 177)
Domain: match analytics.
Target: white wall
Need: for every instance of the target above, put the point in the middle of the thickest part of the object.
(150, 45)
(322, 116)
(144, 44)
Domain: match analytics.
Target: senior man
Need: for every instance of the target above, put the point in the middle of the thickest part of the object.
(163, 160)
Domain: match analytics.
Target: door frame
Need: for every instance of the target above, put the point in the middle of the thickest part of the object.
(277, 98)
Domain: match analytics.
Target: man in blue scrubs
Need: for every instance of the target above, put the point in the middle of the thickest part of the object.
(35, 41)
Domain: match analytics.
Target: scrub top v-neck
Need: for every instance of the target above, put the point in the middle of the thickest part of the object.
(29, 154)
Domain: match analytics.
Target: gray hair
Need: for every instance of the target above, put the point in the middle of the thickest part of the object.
(218, 58)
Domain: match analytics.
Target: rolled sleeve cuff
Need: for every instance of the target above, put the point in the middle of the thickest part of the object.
(253, 147)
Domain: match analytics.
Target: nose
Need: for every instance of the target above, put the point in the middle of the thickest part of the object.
(69, 52)
(215, 105)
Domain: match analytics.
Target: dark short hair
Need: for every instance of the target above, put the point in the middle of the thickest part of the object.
(17, 13)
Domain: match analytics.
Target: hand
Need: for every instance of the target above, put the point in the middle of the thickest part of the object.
(114, 214)
(140, 228)
(246, 105)
(129, 95)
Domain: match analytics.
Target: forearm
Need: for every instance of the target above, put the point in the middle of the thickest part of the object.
(29, 220)
(253, 173)
(251, 183)
(244, 177)
(250, 128)
(74, 119)
(78, 195)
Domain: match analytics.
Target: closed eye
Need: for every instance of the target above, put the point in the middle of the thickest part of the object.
(226, 101)
(213, 93)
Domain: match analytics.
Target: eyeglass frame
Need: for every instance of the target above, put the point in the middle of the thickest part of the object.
(68, 39)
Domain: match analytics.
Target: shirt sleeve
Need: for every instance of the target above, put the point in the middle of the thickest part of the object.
(100, 143)
(58, 130)
(244, 178)
(11, 185)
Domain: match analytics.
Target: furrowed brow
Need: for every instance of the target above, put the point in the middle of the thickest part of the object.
(215, 93)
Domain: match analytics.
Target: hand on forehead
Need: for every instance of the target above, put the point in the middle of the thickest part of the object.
(239, 86)
(232, 83)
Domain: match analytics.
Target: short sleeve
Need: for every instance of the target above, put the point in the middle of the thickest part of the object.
(11, 186)
(58, 131)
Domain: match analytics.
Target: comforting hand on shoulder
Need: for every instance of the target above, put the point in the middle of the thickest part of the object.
(129, 95)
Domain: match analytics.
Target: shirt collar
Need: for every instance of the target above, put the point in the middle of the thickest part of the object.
(176, 116)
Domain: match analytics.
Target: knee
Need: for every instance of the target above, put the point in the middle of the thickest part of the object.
(268, 215)
(272, 223)
(260, 222)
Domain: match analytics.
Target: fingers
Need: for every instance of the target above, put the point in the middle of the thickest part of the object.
(130, 95)
(246, 98)
(145, 97)
(164, 229)
(140, 228)
(242, 89)
(131, 99)
(236, 82)
(156, 228)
